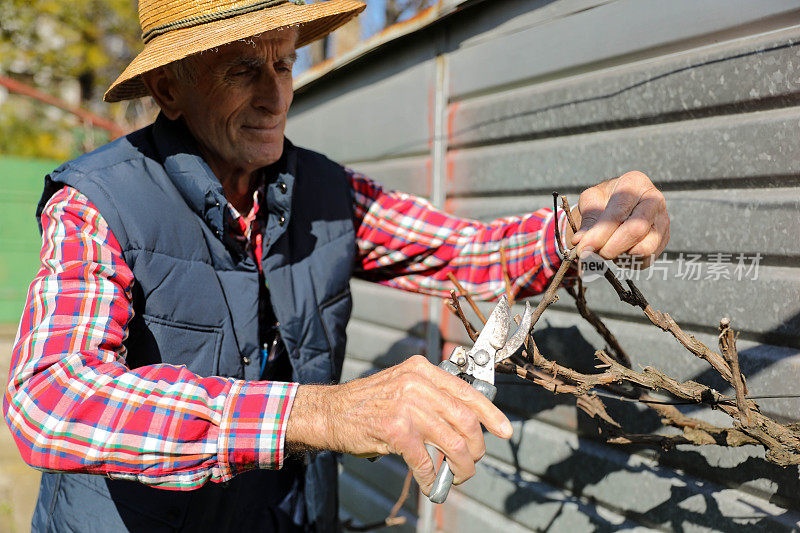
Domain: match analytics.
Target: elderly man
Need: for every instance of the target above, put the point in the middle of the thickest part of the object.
(188, 319)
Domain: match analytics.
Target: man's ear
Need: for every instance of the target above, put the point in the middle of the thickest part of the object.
(163, 87)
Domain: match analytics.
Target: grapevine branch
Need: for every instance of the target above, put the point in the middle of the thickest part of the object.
(749, 424)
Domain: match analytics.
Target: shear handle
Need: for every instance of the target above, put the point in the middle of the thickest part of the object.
(444, 479)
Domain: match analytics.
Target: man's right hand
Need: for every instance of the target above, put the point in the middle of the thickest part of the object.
(399, 410)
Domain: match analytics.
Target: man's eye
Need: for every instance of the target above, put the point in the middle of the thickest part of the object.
(240, 72)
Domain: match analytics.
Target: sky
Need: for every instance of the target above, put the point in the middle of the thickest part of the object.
(372, 20)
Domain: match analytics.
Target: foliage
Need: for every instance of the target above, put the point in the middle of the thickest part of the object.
(72, 50)
(33, 130)
(50, 41)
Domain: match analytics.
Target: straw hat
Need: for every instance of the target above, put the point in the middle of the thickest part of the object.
(174, 29)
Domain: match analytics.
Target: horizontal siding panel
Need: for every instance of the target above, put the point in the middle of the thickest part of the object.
(373, 114)
(736, 221)
(497, 19)
(366, 505)
(464, 515)
(380, 345)
(565, 337)
(590, 38)
(743, 467)
(390, 307)
(528, 500)
(411, 174)
(768, 306)
(741, 75)
(636, 485)
(747, 221)
(387, 474)
(759, 147)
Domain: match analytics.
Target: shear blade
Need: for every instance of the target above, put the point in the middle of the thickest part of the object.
(492, 336)
(518, 339)
(501, 324)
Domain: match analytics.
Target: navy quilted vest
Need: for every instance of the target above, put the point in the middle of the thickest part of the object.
(196, 303)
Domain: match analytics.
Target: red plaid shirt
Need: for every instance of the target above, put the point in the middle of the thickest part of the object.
(73, 405)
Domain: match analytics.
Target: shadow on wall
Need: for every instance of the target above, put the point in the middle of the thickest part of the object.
(646, 493)
(645, 487)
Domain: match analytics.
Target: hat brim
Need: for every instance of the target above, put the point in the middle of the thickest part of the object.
(313, 21)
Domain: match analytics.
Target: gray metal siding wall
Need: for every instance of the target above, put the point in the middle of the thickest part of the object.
(702, 96)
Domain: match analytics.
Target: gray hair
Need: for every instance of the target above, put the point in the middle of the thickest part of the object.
(184, 70)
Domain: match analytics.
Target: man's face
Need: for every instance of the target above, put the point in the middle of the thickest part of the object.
(237, 107)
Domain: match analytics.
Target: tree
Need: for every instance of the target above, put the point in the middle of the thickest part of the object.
(72, 50)
(50, 42)
(397, 10)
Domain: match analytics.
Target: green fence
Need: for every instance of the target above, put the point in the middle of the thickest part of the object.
(21, 183)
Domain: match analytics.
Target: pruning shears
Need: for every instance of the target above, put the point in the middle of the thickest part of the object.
(476, 367)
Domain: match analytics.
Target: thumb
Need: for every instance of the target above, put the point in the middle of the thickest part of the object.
(586, 225)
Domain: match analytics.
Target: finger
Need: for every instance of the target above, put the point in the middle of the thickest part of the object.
(665, 239)
(464, 421)
(421, 466)
(654, 242)
(487, 413)
(620, 205)
(635, 261)
(437, 432)
(593, 201)
(609, 200)
(590, 206)
(636, 227)
(433, 407)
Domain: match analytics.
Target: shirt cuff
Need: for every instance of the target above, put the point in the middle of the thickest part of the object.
(252, 432)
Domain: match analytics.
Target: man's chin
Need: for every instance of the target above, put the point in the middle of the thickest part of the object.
(263, 158)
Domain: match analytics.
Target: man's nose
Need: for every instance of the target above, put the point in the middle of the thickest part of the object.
(268, 94)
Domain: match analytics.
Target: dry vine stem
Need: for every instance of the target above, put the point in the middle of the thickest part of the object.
(750, 426)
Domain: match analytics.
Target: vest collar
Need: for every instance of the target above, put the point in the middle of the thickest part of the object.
(279, 190)
(190, 174)
(195, 180)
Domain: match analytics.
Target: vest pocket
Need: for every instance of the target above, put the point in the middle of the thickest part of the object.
(180, 343)
(83, 502)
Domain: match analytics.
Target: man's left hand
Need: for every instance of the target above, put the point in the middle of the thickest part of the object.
(627, 214)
